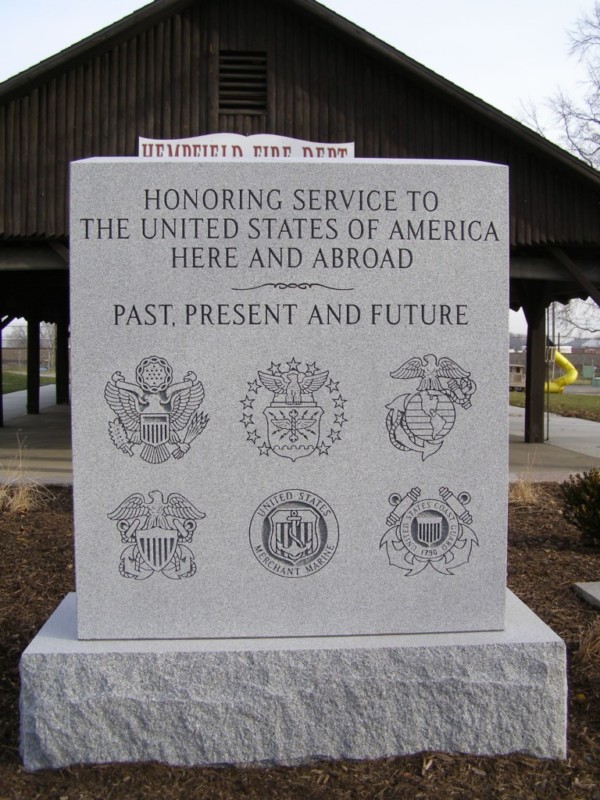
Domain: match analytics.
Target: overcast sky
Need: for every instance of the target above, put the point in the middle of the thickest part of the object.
(509, 53)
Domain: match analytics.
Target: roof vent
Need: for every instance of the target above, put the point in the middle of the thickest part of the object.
(242, 82)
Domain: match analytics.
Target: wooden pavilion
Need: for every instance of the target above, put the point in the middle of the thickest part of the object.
(181, 68)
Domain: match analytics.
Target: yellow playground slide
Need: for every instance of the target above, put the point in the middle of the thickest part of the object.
(570, 374)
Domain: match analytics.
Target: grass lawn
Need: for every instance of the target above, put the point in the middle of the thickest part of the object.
(584, 406)
(17, 381)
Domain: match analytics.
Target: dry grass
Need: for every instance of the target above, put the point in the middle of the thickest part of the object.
(588, 652)
(22, 497)
(525, 492)
(19, 494)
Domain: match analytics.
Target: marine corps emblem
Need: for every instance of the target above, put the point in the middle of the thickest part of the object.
(429, 532)
(420, 420)
(294, 422)
(294, 533)
(159, 416)
(155, 532)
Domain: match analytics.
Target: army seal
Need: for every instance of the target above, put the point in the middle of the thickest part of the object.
(154, 415)
(294, 533)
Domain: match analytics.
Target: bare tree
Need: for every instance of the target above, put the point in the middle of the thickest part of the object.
(578, 318)
(579, 119)
(48, 344)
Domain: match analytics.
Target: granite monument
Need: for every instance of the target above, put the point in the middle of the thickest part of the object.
(290, 458)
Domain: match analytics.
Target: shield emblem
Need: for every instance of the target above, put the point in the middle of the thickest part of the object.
(429, 529)
(157, 547)
(293, 431)
(294, 533)
(154, 429)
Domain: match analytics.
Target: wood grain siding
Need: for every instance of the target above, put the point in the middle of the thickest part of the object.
(160, 78)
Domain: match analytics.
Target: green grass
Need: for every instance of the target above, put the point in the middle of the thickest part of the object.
(17, 381)
(584, 406)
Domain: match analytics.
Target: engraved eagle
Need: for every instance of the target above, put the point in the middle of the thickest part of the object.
(155, 417)
(293, 384)
(430, 369)
(139, 514)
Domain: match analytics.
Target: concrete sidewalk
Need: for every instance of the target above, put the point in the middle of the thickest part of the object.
(36, 446)
(39, 446)
(573, 446)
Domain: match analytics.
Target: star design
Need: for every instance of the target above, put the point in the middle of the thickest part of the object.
(252, 436)
(323, 449)
(293, 364)
(339, 402)
(264, 450)
(332, 385)
(312, 368)
(247, 402)
(254, 386)
(247, 419)
(275, 369)
(340, 419)
(334, 436)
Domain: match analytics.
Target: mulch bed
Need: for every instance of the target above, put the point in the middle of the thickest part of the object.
(546, 556)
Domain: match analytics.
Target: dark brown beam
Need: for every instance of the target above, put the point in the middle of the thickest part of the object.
(33, 366)
(577, 273)
(61, 250)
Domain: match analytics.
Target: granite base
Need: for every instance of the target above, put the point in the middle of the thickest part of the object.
(288, 701)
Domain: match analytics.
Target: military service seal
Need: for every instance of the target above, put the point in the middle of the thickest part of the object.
(429, 532)
(302, 410)
(154, 412)
(420, 420)
(155, 531)
(294, 533)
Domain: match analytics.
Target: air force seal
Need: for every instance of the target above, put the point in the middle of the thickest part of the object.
(429, 532)
(155, 532)
(294, 533)
(302, 411)
(419, 421)
(154, 412)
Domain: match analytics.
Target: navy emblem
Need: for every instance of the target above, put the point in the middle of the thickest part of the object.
(296, 421)
(155, 414)
(155, 532)
(420, 420)
(294, 533)
(429, 532)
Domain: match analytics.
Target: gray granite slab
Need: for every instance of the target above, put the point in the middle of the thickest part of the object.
(291, 700)
(589, 591)
(289, 397)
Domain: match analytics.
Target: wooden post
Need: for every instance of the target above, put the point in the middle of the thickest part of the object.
(4, 321)
(536, 368)
(33, 365)
(62, 361)
(1, 386)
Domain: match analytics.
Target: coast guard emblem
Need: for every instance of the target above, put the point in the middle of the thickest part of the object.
(294, 533)
(155, 532)
(429, 532)
(296, 421)
(154, 412)
(420, 420)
